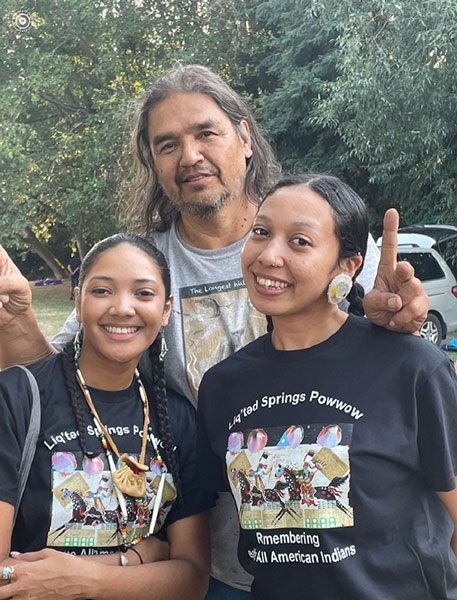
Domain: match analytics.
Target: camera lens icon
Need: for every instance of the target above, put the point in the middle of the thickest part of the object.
(22, 20)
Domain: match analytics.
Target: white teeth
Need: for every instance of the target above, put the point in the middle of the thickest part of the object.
(269, 283)
(111, 329)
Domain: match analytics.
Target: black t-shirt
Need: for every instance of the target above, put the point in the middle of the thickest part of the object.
(69, 502)
(333, 454)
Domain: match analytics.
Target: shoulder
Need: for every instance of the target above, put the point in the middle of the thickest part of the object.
(161, 239)
(42, 371)
(48, 372)
(238, 364)
(15, 390)
(409, 350)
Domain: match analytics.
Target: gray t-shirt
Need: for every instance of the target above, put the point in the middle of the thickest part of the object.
(212, 318)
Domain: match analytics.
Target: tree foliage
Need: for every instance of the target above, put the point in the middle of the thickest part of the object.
(70, 81)
(362, 89)
(394, 100)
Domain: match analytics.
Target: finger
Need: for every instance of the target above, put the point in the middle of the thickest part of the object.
(410, 318)
(378, 301)
(410, 288)
(388, 257)
(404, 272)
(30, 556)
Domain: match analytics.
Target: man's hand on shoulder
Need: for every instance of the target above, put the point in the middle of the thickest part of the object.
(15, 293)
(398, 300)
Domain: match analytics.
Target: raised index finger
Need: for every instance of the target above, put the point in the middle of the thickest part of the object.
(388, 257)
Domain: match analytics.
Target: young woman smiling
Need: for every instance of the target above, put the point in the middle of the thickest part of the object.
(337, 438)
(115, 459)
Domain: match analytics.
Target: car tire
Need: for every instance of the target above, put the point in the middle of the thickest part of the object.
(432, 329)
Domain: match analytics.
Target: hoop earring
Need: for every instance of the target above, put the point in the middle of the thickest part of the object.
(339, 288)
(77, 346)
(163, 346)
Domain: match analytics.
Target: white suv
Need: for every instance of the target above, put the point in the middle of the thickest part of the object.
(432, 251)
(441, 288)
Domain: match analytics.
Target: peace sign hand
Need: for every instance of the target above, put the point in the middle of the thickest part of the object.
(398, 300)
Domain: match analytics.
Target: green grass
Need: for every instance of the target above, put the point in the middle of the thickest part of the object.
(52, 306)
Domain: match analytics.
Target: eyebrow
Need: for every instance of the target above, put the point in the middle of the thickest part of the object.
(172, 135)
(106, 278)
(294, 224)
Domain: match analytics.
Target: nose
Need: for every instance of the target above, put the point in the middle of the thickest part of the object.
(122, 306)
(190, 153)
(271, 255)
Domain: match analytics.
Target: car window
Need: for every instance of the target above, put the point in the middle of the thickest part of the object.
(425, 265)
(448, 250)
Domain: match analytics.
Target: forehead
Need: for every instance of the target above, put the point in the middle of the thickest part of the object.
(182, 113)
(125, 261)
(296, 204)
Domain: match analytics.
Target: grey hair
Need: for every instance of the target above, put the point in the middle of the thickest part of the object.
(150, 209)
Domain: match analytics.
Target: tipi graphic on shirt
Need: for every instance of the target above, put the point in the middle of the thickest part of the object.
(297, 476)
(85, 509)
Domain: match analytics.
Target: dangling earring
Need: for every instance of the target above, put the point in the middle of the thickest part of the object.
(77, 346)
(339, 288)
(163, 346)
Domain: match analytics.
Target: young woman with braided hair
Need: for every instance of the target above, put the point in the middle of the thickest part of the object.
(336, 438)
(115, 459)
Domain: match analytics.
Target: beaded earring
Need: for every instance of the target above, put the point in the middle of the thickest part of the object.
(163, 346)
(77, 345)
(339, 288)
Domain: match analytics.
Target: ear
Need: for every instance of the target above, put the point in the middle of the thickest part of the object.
(351, 265)
(245, 134)
(167, 310)
(77, 294)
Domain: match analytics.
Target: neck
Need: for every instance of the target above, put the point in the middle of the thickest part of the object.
(230, 224)
(297, 332)
(111, 376)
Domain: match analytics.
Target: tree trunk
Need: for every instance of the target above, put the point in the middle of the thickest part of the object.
(80, 238)
(36, 246)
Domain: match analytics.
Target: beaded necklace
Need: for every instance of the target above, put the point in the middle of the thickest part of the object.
(129, 476)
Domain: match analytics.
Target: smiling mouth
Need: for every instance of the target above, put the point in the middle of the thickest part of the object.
(120, 330)
(271, 283)
(197, 178)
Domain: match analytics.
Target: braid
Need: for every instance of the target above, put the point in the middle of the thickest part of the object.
(269, 324)
(355, 300)
(163, 421)
(69, 371)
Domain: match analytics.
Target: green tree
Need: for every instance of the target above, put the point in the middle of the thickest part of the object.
(70, 80)
(394, 101)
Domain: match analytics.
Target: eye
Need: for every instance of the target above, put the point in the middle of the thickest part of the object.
(258, 231)
(145, 294)
(207, 134)
(167, 148)
(300, 241)
(100, 291)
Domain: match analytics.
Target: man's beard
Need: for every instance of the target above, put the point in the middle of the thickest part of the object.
(206, 210)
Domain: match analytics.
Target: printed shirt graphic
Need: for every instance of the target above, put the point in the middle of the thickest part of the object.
(85, 509)
(296, 476)
(217, 320)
